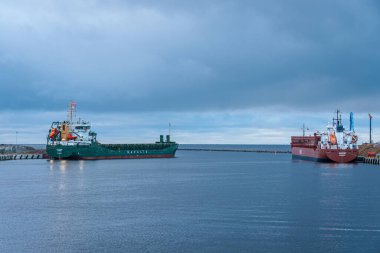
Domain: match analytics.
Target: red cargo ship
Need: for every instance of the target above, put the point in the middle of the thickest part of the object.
(333, 145)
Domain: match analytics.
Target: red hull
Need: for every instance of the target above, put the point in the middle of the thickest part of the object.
(325, 155)
(342, 155)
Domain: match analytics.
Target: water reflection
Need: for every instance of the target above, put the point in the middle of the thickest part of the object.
(327, 165)
(337, 165)
(64, 165)
(81, 165)
(51, 165)
(66, 175)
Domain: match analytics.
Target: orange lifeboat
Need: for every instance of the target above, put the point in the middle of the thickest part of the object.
(53, 132)
(333, 138)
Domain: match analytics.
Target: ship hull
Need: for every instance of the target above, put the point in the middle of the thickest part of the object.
(325, 155)
(96, 151)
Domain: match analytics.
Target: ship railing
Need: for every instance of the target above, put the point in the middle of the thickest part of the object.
(136, 146)
(345, 146)
(304, 145)
(68, 143)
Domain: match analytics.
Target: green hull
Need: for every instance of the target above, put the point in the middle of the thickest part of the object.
(96, 151)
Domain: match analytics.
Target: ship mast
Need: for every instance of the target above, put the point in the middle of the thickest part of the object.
(71, 112)
(337, 117)
(304, 128)
(337, 122)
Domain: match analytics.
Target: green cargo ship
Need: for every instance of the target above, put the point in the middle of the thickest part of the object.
(74, 140)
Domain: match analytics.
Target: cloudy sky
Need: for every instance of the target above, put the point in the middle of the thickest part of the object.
(220, 71)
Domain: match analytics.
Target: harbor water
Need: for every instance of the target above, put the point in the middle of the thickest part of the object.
(197, 202)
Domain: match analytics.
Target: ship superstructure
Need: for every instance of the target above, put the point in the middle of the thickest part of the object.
(74, 139)
(335, 144)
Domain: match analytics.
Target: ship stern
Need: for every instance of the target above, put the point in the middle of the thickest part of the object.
(342, 155)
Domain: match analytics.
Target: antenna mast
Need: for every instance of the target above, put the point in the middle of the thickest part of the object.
(71, 111)
(338, 120)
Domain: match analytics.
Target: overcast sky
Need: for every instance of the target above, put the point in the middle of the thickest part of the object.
(219, 71)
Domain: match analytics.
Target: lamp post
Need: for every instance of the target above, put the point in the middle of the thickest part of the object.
(16, 137)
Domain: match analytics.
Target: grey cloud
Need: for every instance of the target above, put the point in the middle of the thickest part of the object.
(198, 55)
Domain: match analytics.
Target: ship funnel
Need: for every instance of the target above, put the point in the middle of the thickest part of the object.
(161, 138)
(352, 122)
(168, 138)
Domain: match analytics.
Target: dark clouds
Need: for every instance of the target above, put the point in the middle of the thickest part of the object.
(191, 56)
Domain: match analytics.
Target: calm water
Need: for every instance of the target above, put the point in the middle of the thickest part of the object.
(197, 202)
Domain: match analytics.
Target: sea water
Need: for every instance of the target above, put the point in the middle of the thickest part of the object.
(198, 202)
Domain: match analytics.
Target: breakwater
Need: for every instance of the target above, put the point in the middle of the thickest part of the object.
(21, 156)
(20, 152)
(237, 150)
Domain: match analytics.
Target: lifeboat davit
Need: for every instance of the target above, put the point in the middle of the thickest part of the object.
(71, 137)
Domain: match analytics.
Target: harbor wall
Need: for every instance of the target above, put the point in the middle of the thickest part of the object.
(21, 156)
